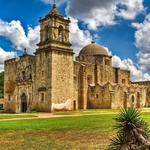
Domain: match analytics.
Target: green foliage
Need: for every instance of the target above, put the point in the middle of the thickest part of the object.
(132, 133)
(129, 119)
(1, 84)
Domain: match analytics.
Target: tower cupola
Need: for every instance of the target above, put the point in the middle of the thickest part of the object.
(54, 30)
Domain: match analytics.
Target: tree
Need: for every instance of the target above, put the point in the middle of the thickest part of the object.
(1, 84)
(132, 131)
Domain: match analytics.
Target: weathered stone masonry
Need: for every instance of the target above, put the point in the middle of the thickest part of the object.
(51, 80)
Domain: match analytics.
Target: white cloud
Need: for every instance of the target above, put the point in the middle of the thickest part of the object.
(79, 38)
(143, 43)
(127, 64)
(131, 8)
(103, 12)
(14, 32)
(5, 56)
(33, 38)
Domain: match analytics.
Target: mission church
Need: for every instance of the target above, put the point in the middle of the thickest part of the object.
(52, 80)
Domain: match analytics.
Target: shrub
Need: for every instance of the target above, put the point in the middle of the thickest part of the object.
(132, 131)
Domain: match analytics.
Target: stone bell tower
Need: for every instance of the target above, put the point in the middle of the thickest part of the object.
(54, 60)
(55, 29)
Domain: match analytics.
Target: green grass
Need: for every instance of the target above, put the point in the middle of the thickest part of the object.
(15, 116)
(57, 133)
(88, 112)
(88, 132)
(96, 122)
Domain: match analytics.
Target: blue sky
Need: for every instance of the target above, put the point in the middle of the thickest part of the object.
(117, 34)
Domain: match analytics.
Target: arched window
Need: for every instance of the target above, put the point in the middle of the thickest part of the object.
(42, 97)
(89, 79)
(60, 33)
(132, 99)
(97, 96)
(23, 75)
(46, 33)
(107, 62)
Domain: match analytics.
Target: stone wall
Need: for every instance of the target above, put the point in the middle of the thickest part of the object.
(116, 96)
(62, 77)
(10, 84)
(18, 79)
(99, 97)
(146, 84)
(42, 92)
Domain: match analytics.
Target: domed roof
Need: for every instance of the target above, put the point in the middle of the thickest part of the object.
(93, 49)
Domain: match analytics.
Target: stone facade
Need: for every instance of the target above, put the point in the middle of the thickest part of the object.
(52, 80)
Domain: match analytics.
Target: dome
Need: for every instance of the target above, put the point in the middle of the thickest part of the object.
(93, 49)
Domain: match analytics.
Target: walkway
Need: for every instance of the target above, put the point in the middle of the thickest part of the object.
(57, 115)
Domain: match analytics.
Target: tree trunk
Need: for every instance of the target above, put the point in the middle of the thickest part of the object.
(144, 142)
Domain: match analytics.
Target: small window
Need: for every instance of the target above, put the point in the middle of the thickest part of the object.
(23, 75)
(132, 99)
(9, 98)
(60, 33)
(42, 73)
(42, 97)
(82, 58)
(30, 77)
(97, 96)
(123, 81)
(89, 79)
(107, 62)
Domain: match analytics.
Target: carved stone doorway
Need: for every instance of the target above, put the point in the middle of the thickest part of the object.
(23, 103)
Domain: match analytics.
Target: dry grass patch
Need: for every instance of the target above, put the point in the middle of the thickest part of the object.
(75, 140)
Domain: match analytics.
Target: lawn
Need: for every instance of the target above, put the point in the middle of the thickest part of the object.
(12, 116)
(87, 132)
(88, 112)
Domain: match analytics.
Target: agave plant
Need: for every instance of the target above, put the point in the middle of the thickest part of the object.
(132, 131)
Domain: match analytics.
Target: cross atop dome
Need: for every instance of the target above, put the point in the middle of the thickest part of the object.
(92, 42)
(25, 51)
(54, 4)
